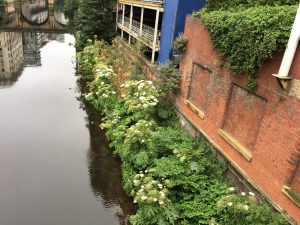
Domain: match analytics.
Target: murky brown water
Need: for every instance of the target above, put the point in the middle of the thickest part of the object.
(55, 166)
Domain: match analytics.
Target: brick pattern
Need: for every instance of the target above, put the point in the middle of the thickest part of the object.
(198, 88)
(271, 129)
(244, 115)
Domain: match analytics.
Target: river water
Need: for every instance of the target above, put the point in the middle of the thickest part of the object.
(55, 166)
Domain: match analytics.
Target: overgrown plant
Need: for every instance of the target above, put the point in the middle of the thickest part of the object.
(139, 47)
(230, 4)
(180, 43)
(174, 179)
(249, 36)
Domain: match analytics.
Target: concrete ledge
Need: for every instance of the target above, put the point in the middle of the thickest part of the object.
(194, 109)
(291, 195)
(246, 153)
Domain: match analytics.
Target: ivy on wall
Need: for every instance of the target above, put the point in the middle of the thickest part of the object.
(227, 4)
(248, 37)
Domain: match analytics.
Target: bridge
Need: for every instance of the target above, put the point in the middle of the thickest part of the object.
(33, 15)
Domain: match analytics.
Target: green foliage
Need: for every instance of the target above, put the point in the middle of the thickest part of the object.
(150, 189)
(169, 78)
(240, 209)
(87, 60)
(136, 72)
(229, 4)
(251, 83)
(180, 43)
(102, 93)
(155, 215)
(174, 179)
(127, 174)
(139, 47)
(140, 96)
(249, 37)
(70, 7)
(89, 18)
(3, 13)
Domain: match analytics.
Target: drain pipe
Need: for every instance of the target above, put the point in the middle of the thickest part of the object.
(283, 74)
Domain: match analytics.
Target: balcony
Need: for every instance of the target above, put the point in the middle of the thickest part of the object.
(144, 3)
(151, 1)
(145, 35)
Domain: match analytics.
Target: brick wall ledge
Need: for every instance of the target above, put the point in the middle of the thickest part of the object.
(245, 152)
(291, 194)
(194, 109)
(236, 166)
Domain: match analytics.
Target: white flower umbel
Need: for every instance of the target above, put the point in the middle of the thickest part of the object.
(229, 203)
(149, 190)
(231, 189)
(246, 207)
(140, 95)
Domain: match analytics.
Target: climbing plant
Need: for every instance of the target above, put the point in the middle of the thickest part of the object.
(248, 37)
(229, 4)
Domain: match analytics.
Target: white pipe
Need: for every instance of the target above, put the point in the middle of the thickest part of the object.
(155, 36)
(141, 21)
(291, 48)
(117, 16)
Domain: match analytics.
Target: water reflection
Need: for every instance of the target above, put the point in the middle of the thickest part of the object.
(104, 170)
(11, 57)
(35, 11)
(20, 49)
(58, 12)
(55, 166)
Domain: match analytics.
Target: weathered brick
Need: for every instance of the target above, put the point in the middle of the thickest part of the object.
(265, 119)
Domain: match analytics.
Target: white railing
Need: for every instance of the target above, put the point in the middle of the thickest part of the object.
(147, 31)
(151, 1)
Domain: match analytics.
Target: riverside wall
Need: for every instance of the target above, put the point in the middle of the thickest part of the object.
(257, 130)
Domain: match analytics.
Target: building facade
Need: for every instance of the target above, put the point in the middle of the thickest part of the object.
(11, 55)
(155, 23)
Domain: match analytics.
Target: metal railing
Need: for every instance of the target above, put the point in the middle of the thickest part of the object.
(147, 33)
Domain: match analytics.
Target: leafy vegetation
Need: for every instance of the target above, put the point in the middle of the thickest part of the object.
(229, 4)
(89, 18)
(3, 13)
(180, 43)
(249, 32)
(174, 179)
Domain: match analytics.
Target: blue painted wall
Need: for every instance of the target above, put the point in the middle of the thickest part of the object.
(167, 29)
(173, 23)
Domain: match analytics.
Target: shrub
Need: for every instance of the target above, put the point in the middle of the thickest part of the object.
(249, 37)
(240, 209)
(229, 4)
(180, 43)
(174, 179)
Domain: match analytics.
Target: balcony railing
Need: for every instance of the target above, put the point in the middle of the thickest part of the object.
(147, 34)
(161, 2)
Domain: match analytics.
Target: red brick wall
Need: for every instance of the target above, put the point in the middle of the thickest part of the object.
(198, 88)
(266, 120)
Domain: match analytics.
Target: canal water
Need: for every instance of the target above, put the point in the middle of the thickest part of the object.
(55, 166)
